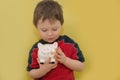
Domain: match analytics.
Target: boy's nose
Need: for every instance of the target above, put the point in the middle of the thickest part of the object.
(49, 33)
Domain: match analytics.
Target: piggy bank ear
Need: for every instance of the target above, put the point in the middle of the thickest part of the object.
(55, 44)
(39, 45)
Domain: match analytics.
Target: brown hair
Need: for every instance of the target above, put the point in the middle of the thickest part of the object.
(48, 9)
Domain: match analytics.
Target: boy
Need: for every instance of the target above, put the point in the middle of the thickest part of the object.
(48, 19)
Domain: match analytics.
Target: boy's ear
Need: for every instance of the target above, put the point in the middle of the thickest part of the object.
(39, 44)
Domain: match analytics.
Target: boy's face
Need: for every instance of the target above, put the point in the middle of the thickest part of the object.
(49, 30)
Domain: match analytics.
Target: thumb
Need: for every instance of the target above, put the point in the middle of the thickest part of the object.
(38, 61)
(48, 60)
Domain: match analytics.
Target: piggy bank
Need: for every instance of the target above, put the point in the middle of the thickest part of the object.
(46, 51)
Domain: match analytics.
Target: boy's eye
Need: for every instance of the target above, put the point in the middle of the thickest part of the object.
(54, 29)
(44, 30)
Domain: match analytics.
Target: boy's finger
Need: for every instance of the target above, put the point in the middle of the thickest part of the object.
(38, 61)
(48, 60)
(59, 51)
(58, 56)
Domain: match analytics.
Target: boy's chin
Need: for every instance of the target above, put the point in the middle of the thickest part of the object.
(50, 41)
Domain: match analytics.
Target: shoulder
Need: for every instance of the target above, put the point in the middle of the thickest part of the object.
(67, 39)
(34, 46)
(67, 42)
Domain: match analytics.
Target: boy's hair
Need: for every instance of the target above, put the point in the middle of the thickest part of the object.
(48, 9)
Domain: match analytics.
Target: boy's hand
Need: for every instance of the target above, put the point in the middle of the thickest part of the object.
(47, 64)
(60, 55)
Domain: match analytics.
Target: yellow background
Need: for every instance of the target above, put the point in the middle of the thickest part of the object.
(94, 24)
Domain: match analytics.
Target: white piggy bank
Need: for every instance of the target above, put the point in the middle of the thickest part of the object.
(46, 51)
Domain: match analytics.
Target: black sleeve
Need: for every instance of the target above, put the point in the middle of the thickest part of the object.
(79, 54)
(30, 57)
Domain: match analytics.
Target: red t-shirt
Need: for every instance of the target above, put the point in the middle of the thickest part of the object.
(61, 72)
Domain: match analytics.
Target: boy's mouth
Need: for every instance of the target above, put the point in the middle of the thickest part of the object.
(50, 38)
